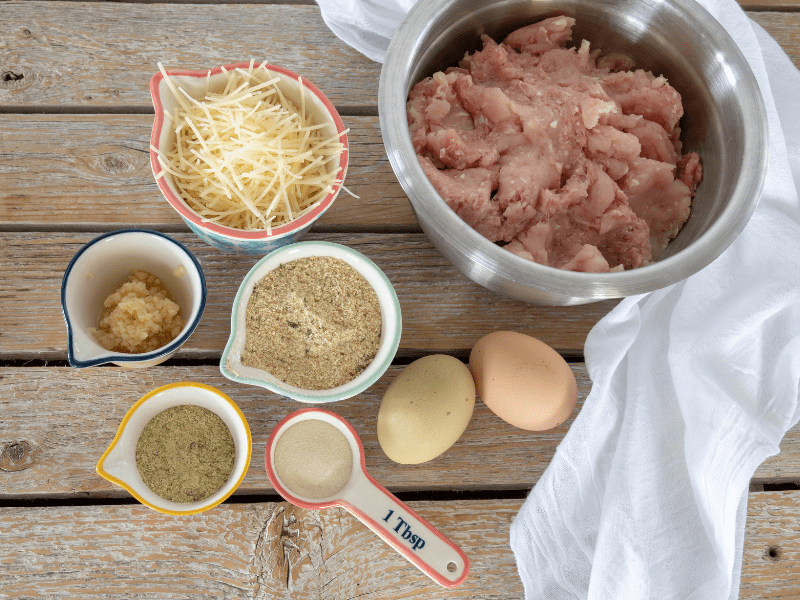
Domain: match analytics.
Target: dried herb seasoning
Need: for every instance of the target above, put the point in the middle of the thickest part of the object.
(185, 453)
(314, 323)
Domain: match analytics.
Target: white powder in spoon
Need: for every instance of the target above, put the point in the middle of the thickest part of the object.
(313, 459)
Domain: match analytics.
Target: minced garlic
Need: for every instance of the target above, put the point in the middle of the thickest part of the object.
(139, 316)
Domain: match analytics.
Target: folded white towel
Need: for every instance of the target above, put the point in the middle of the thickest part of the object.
(693, 387)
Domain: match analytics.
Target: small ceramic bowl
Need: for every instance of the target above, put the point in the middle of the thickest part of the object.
(118, 463)
(231, 362)
(195, 83)
(101, 266)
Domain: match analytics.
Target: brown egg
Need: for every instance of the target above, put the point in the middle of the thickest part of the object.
(523, 380)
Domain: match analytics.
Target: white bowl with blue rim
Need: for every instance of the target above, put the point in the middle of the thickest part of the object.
(195, 84)
(101, 266)
(391, 324)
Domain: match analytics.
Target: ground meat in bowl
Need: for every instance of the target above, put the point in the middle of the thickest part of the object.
(567, 158)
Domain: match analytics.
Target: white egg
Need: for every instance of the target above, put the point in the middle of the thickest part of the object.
(425, 409)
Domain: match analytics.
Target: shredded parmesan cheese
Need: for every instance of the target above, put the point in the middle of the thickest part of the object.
(247, 157)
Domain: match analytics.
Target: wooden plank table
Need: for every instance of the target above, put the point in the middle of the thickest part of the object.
(75, 119)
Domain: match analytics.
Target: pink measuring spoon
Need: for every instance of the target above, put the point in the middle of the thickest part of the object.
(371, 503)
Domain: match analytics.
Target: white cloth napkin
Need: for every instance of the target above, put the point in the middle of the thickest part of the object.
(366, 25)
(693, 385)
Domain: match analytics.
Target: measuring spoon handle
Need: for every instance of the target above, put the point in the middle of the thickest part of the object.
(407, 532)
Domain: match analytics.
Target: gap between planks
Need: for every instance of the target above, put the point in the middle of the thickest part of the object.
(402, 359)
(99, 228)
(407, 497)
(136, 109)
(412, 496)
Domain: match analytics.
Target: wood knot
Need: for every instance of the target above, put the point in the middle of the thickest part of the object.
(15, 77)
(773, 553)
(25, 31)
(17, 456)
(113, 163)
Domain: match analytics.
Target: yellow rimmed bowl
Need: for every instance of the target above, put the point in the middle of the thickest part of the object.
(118, 463)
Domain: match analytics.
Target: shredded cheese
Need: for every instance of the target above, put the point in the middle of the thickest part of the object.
(247, 157)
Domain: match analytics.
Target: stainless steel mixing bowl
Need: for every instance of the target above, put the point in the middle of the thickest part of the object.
(724, 121)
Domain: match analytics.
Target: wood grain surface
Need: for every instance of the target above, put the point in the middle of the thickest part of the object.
(771, 557)
(442, 310)
(47, 409)
(67, 55)
(274, 550)
(770, 5)
(93, 172)
(73, 54)
(75, 119)
(785, 28)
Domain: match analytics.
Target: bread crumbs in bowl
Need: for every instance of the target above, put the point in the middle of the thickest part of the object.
(131, 297)
(250, 155)
(313, 321)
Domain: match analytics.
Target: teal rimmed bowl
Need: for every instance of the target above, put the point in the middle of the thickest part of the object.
(231, 363)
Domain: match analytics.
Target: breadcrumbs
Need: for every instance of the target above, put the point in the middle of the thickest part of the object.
(314, 323)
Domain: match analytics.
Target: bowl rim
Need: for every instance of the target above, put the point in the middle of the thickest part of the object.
(222, 396)
(495, 267)
(351, 388)
(117, 357)
(241, 234)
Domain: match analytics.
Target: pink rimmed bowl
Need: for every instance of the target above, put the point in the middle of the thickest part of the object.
(196, 83)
